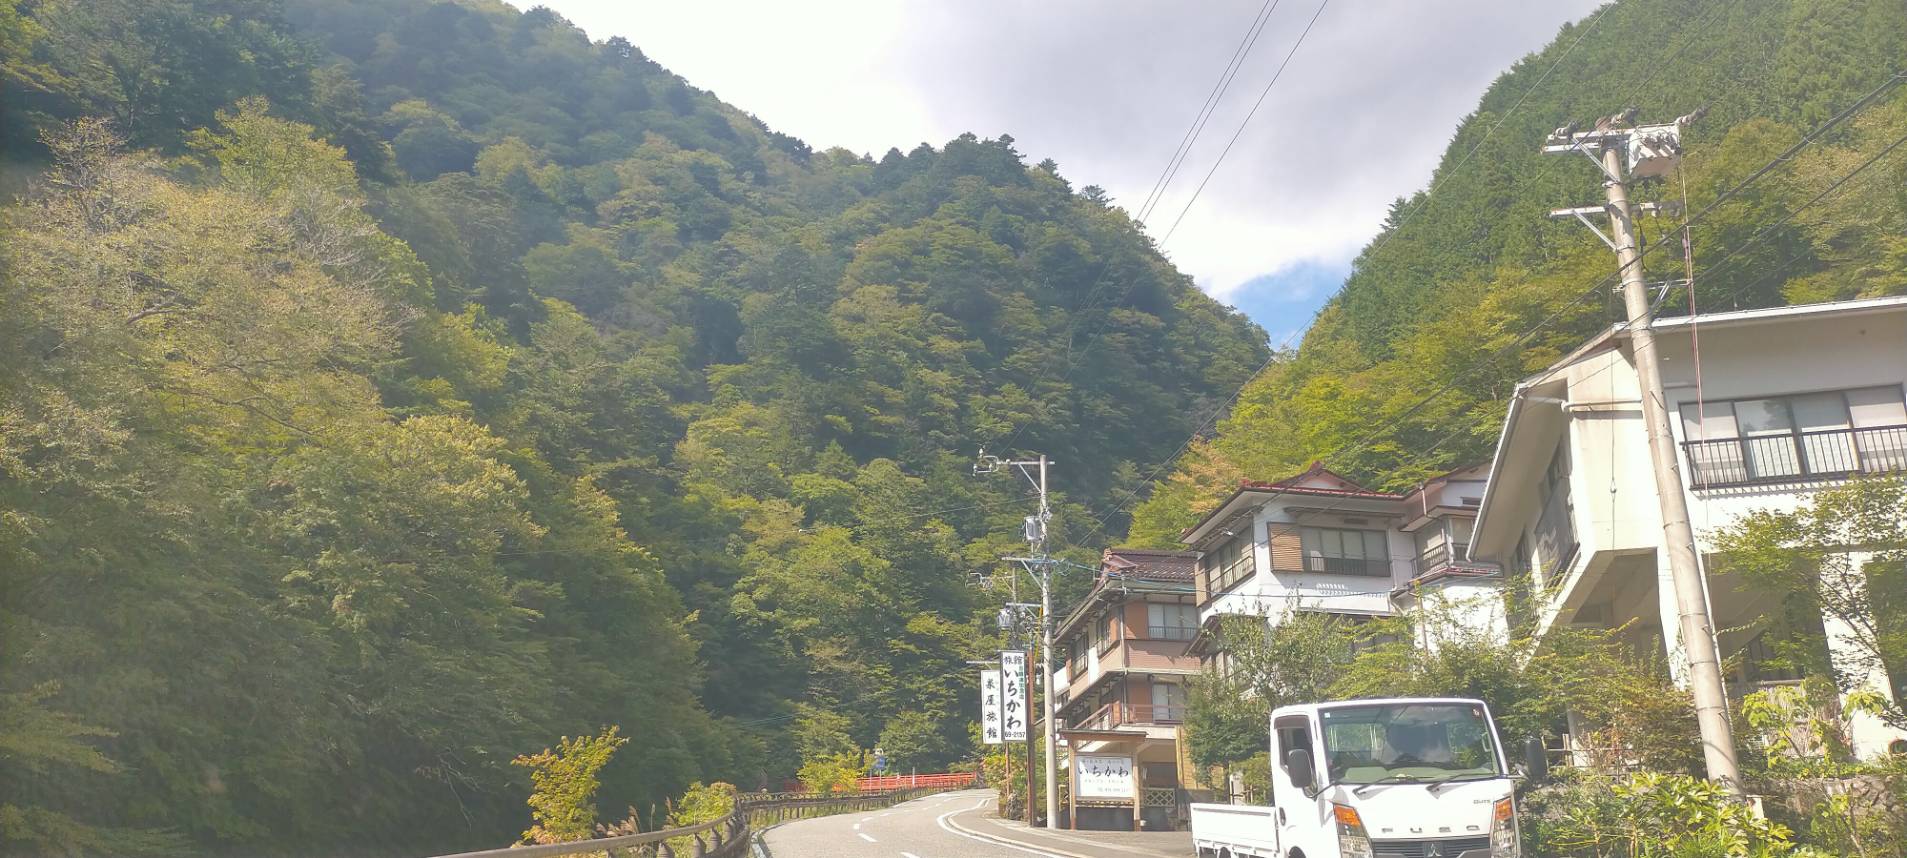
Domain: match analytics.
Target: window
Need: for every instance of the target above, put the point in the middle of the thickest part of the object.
(1556, 524)
(1428, 742)
(1346, 552)
(1171, 622)
(1168, 703)
(1229, 564)
(1293, 734)
(1106, 630)
(1791, 437)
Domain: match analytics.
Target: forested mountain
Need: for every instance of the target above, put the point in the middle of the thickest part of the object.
(390, 388)
(1469, 287)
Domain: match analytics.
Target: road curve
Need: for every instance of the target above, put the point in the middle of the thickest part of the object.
(957, 825)
(921, 828)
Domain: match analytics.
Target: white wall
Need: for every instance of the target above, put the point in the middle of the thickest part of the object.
(1271, 593)
(1612, 481)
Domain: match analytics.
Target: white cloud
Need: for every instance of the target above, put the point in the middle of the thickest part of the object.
(1107, 88)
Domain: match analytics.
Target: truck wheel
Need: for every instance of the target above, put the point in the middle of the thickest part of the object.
(1297, 853)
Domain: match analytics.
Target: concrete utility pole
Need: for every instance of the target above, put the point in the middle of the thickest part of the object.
(1041, 567)
(1621, 150)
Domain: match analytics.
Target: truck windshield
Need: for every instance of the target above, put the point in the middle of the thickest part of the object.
(1408, 743)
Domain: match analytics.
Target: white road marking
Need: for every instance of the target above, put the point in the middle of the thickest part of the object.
(995, 841)
(857, 826)
(909, 855)
(867, 838)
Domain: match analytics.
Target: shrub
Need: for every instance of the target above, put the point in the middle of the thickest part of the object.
(1648, 815)
(563, 801)
(832, 773)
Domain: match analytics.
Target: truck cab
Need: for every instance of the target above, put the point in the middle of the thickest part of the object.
(1391, 778)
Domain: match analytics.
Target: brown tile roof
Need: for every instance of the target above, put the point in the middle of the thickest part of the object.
(1150, 563)
(1317, 469)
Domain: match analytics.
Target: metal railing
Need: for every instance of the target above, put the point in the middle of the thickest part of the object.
(1796, 456)
(722, 838)
(1447, 556)
(1118, 714)
(1379, 567)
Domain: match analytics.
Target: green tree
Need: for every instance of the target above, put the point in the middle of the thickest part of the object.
(1841, 555)
(563, 803)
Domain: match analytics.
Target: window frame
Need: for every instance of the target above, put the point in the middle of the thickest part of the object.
(1751, 460)
(1223, 571)
(1312, 537)
(1184, 629)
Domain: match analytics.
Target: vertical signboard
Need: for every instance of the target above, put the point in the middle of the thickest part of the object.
(990, 707)
(1013, 714)
(1102, 776)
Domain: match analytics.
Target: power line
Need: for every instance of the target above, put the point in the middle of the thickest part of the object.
(1246, 121)
(1171, 171)
(1212, 99)
(1286, 343)
(1527, 335)
(1070, 362)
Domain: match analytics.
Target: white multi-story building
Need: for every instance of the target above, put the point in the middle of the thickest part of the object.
(1319, 542)
(1770, 406)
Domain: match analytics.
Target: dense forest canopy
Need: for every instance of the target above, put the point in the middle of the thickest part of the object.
(391, 388)
(1469, 287)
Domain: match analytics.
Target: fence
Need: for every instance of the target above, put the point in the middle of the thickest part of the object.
(727, 837)
(943, 780)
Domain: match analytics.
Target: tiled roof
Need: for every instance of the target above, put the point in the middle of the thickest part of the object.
(1150, 563)
(1317, 469)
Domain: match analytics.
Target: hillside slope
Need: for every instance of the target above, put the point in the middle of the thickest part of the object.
(392, 388)
(1469, 286)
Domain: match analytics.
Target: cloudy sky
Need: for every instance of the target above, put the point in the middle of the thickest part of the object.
(1108, 88)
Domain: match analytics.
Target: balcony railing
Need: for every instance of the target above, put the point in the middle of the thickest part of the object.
(1796, 456)
(1447, 556)
(1379, 567)
(1119, 714)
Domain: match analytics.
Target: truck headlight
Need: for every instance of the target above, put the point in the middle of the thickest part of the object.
(1352, 841)
(1503, 841)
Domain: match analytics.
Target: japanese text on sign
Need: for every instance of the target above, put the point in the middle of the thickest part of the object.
(990, 707)
(1102, 776)
(1013, 714)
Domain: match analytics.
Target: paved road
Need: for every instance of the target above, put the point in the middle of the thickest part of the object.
(955, 825)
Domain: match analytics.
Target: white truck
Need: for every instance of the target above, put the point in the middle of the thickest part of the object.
(1396, 778)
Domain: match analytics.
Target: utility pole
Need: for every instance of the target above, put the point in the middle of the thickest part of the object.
(1622, 150)
(1041, 567)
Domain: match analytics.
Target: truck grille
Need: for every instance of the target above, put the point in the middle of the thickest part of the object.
(1450, 848)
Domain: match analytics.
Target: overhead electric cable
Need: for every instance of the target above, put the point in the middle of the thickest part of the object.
(1554, 316)
(1245, 122)
(1212, 99)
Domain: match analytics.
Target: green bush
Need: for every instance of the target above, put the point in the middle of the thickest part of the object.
(1648, 815)
(563, 803)
(832, 773)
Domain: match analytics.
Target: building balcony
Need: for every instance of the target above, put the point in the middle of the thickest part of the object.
(1169, 651)
(1440, 558)
(1120, 714)
(1376, 567)
(1790, 457)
